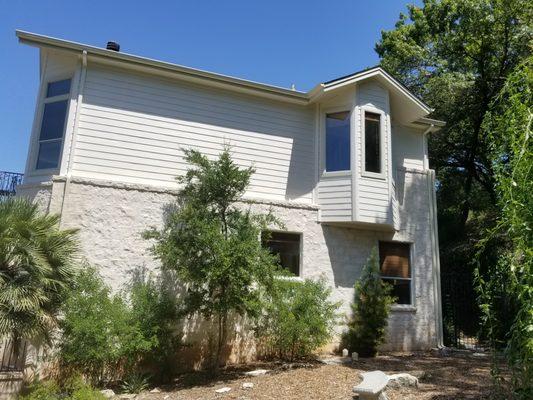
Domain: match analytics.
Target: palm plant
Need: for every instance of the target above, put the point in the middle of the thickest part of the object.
(37, 267)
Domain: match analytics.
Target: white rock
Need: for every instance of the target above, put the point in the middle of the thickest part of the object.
(107, 393)
(155, 390)
(402, 380)
(355, 356)
(345, 352)
(256, 372)
(247, 385)
(166, 397)
(126, 396)
(223, 390)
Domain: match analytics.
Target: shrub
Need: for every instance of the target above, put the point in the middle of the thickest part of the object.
(298, 318)
(99, 339)
(155, 310)
(372, 301)
(51, 390)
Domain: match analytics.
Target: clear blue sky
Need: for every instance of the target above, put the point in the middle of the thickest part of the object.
(272, 41)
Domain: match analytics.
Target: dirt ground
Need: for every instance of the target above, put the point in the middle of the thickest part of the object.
(458, 376)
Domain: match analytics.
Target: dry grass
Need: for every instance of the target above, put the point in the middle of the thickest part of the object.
(461, 376)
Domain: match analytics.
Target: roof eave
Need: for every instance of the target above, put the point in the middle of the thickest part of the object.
(218, 79)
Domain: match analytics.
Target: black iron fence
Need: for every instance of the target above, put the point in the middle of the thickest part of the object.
(13, 355)
(460, 312)
(9, 182)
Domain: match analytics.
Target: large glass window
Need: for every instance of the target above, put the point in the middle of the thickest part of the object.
(372, 142)
(286, 246)
(53, 124)
(396, 269)
(338, 141)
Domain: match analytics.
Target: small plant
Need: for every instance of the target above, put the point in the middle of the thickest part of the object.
(372, 301)
(135, 383)
(74, 389)
(298, 319)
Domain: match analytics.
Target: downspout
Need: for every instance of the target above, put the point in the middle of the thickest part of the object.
(434, 233)
(72, 147)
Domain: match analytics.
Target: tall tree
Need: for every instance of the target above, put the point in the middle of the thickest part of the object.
(510, 280)
(213, 244)
(456, 54)
(37, 268)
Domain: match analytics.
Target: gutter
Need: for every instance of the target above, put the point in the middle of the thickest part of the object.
(59, 44)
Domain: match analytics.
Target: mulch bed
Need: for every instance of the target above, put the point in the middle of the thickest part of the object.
(457, 376)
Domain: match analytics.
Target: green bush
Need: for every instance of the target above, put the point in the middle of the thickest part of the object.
(298, 318)
(155, 311)
(51, 390)
(372, 301)
(105, 335)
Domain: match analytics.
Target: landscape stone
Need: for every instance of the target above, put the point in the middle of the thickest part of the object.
(345, 352)
(155, 390)
(107, 393)
(247, 385)
(402, 380)
(355, 356)
(223, 390)
(256, 372)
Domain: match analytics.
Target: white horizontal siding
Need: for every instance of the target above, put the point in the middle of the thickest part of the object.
(407, 147)
(335, 198)
(373, 197)
(133, 128)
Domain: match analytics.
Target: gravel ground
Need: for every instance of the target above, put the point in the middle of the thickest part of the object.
(460, 376)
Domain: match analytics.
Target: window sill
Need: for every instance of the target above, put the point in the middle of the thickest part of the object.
(373, 175)
(403, 308)
(332, 174)
(44, 172)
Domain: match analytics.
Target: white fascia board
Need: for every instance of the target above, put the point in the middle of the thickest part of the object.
(381, 73)
(206, 77)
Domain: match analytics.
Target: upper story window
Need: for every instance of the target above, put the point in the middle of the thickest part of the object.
(372, 142)
(396, 269)
(53, 124)
(338, 141)
(286, 246)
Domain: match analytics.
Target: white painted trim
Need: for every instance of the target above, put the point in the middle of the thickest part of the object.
(322, 161)
(437, 293)
(382, 137)
(31, 163)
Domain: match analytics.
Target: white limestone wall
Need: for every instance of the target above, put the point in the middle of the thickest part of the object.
(111, 218)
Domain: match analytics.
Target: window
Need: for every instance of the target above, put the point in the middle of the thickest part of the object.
(338, 141)
(286, 246)
(396, 269)
(53, 124)
(372, 142)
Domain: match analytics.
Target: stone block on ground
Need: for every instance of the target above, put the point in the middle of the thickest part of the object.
(223, 390)
(108, 393)
(256, 372)
(402, 380)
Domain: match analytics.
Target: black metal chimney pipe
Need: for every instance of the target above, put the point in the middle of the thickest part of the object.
(113, 46)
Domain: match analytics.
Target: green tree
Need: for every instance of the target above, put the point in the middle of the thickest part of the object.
(507, 291)
(456, 54)
(213, 244)
(298, 318)
(37, 269)
(370, 309)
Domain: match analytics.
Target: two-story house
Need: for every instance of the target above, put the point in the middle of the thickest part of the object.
(344, 166)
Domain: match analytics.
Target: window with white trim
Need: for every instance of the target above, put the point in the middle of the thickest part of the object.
(338, 141)
(395, 267)
(286, 246)
(53, 124)
(372, 142)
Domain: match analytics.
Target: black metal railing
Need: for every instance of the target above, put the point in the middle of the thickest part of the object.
(9, 182)
(13, 355)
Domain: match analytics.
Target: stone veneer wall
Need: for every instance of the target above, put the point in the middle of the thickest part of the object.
(111, 218)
